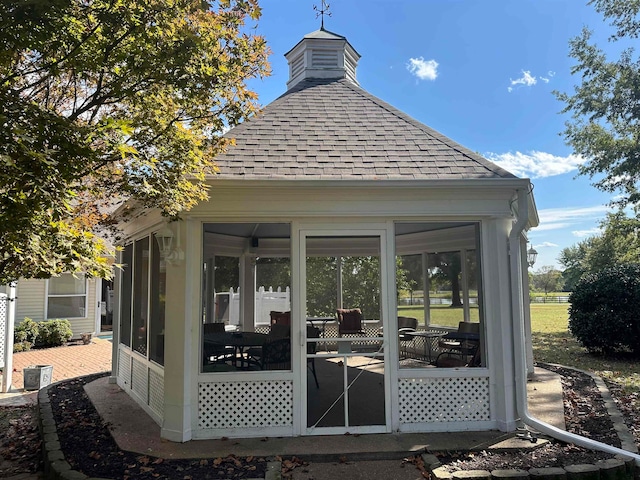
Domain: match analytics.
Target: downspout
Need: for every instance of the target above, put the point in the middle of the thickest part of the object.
(517, 312)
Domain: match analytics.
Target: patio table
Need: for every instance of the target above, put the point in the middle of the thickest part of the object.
(427, 335)
(240, 341)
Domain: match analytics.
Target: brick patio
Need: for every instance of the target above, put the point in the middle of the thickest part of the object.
(73, 360)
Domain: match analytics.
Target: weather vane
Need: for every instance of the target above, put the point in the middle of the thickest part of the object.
(324, 10)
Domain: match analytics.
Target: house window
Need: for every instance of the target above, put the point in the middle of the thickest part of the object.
(67, 297)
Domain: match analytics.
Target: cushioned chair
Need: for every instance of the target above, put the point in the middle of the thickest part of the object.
(350, 321)
(406, 325)
(281, 318)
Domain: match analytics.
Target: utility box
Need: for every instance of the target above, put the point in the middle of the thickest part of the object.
(37, 376)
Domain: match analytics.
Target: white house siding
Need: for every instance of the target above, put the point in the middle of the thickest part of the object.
(32, 302)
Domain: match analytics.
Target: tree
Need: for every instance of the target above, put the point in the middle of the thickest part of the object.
(447, 267)
(547, 279)
(104, 101)
(605, 123)
(617, 244)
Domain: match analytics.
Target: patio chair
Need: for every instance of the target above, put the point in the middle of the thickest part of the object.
(282, 318)
(276, 331)
(461, 348)
(213, 353)
(276, 355)
(446, 360)
(312, 332)
(350, 321)
(406, 325)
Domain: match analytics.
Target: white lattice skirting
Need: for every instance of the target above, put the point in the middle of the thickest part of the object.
(428, 400)
(146, 383)
(259, 404)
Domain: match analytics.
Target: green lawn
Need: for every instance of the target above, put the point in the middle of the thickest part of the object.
(552, 342)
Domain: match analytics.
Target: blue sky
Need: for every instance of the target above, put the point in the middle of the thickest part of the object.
(481, 72)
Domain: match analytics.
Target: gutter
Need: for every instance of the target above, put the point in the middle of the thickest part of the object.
(517, 312)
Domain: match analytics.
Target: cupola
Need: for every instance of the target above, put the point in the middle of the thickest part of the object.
(322, 54)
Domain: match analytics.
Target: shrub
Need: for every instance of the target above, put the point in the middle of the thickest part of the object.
(51, 333)
(54, 333)
(21, 347)
(605, 307)
(26, 331)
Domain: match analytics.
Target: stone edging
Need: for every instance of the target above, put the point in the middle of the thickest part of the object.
(627, 441)
(619, 468)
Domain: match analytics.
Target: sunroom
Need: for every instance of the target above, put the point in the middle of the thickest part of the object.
(306, 296)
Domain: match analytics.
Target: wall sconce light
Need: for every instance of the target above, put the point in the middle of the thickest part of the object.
(170, 250)
(532, 256)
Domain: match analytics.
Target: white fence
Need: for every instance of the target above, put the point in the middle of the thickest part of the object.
(228, 305)
(3, 325)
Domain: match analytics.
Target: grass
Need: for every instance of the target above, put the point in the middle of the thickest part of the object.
(552, 342)
(440, 314)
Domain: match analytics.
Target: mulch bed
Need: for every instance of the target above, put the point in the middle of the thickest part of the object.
(89, 447)
(585, 414)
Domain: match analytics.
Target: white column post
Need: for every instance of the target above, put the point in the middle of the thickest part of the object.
(8, 340)
(182, 329)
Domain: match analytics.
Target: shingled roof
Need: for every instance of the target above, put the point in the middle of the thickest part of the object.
(332, 129)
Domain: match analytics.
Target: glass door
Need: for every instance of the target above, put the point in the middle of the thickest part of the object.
(346, 389)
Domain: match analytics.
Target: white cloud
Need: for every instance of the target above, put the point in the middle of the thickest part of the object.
(557, 218)
(535, 164)
(423, 69)
(545, 245)
(528, 80)
(586, 233)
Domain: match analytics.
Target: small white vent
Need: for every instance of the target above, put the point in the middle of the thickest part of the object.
(323, 58)
(297, 65)
(428, 400)
(245, 404)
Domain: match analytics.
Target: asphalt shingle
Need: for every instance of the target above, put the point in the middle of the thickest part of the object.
(335, 129)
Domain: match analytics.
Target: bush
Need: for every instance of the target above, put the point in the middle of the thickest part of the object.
(54, 333)
(26, 331)
(51, 333)
(604, 315)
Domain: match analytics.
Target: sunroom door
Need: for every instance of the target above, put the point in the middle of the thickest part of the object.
(345, 388)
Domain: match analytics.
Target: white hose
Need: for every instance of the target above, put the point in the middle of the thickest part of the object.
(517, 311)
